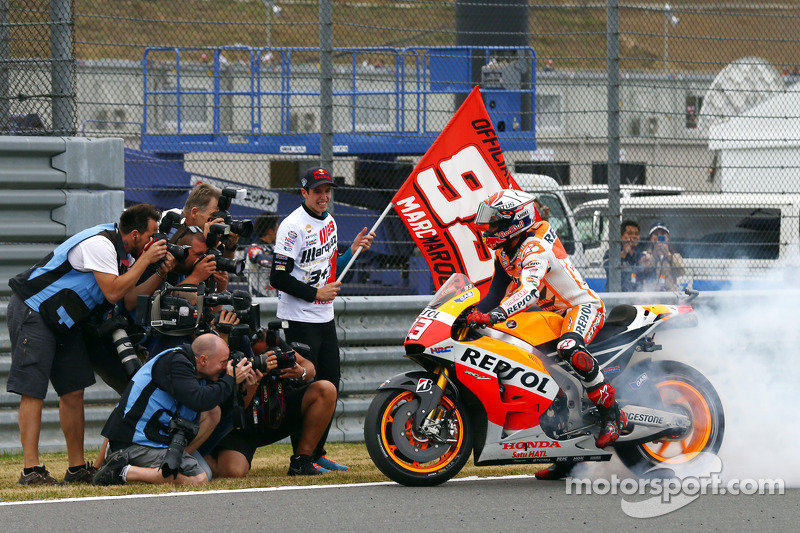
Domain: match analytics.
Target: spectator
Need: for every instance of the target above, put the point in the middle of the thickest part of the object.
(630, 257)
(544, 211)
(550, 67)
(304, 272)
(303, 409)
(182, 385)
(49, 300)
(259, 254)
(661, 264)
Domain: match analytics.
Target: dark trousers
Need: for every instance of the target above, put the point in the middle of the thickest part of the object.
(324, 353)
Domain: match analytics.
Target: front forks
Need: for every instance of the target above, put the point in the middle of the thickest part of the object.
(430, 415)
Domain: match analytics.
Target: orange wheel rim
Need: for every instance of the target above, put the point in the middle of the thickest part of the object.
(392, 449)
(688, 398)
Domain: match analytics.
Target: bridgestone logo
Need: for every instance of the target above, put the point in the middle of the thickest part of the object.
(639, 417)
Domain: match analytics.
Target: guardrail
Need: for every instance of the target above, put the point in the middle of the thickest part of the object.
(371, 332)
(50, 189)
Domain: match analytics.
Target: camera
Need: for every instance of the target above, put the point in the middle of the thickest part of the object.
(170, 219)
(116, 328)
(240, 227)
(168, 312)
(239, 344)
(178, 252)
(662, 238)
(268, 405)
(285, 359)
(219, 233)
(181, 432)
(226, 264)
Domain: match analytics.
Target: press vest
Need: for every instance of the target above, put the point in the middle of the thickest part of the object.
(62, 295)
(143, 413)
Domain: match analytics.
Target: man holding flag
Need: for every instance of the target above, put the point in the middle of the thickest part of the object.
(304, 270)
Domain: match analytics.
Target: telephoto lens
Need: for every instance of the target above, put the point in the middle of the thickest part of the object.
(127, 355)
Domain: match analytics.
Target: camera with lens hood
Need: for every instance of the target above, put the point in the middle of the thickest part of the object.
(241, 227)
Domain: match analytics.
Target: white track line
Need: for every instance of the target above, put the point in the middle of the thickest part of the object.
(234, 491)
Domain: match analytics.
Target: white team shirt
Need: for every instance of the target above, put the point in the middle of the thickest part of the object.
(312, 244)
(95, 254)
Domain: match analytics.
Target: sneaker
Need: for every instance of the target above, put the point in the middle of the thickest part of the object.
(330, 464)
(302, 465)
(111, 472)
(320, 469)
(555, 472)
(39, 476)
(85, 474)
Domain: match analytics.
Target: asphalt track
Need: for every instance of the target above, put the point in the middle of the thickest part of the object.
(518, 503)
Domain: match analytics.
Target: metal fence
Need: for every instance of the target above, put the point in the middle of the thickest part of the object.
(695, 98)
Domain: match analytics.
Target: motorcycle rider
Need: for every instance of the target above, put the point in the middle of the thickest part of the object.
(532, 267)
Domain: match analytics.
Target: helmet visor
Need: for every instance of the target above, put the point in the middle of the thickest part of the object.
(487, 214)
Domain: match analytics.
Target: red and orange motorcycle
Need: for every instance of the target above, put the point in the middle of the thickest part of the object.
(505, 394)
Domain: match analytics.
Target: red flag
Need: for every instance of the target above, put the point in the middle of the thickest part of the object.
(439, 199)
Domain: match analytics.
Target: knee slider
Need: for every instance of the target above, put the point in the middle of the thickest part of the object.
(568, 345)
(572, 350)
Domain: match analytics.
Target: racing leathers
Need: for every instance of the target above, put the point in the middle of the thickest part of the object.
(534, 269)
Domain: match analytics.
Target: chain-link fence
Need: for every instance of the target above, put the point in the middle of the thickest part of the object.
(702, 122)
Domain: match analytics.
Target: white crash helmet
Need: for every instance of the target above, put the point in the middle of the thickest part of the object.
(511, 210)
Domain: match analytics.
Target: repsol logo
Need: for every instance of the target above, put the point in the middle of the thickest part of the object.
(641, 417)
(531, 444)
(504, 370)
(519, 302)
(583, 319)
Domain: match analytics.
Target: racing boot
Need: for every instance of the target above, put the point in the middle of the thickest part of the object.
(614, 419)
(554, 472)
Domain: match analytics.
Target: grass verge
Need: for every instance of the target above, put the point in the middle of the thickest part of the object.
(269, 470)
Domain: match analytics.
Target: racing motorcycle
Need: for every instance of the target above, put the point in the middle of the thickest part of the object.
(505, 394)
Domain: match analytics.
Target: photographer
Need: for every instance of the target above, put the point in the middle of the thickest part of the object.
(114, 344)
(661, 263)
(259, 255)
(200, 266)
(281, 400)
(167, 410)
(51, 302)
(207, 205)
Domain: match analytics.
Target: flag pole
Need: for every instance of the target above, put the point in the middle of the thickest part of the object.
(358, 251)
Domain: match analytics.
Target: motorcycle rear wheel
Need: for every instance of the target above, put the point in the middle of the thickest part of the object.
(405, 456)
(686, 390)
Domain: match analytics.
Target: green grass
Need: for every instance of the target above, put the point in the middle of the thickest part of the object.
(269, 470)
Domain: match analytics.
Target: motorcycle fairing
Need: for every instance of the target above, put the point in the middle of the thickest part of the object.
(515, 387)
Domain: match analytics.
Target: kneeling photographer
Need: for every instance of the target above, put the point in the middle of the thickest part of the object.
(167, 410)
(280, 400)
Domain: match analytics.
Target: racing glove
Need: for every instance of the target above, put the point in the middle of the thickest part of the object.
(477, 319)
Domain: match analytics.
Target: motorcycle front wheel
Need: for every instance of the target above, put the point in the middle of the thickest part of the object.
(687, 391)
(410, 458)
